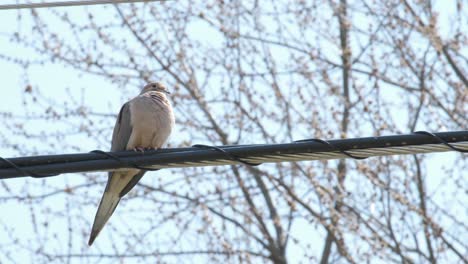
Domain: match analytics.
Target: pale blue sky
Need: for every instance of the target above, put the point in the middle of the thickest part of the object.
(51, 79)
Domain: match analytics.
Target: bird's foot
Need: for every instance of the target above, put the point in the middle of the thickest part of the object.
(143, 149)
(151, 148)
(139, 149)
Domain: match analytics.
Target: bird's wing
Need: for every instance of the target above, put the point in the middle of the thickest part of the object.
(135, 179)
(122, 129)
(119, 183)
(120, 137)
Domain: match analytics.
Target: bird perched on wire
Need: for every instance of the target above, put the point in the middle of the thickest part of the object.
(144, 122)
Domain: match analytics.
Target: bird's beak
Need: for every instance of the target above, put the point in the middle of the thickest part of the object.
(167, 92)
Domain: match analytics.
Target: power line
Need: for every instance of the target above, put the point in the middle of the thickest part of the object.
(201, 155)
(71, 3)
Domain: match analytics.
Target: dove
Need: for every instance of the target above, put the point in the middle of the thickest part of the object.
(145, 122)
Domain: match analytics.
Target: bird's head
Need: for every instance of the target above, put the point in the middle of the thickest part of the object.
(156, 87)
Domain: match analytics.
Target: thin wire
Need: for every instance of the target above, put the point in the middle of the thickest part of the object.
(129, 164)
(71, 3)
(226, 154)
(185, 157)
(440, 140)
(24, 171)
(331, 146)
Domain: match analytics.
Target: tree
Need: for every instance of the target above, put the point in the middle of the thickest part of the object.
(254, 72)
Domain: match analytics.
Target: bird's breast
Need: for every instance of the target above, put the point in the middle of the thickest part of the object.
(152, 121)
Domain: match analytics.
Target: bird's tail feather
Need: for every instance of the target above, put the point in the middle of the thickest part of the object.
(109, 202)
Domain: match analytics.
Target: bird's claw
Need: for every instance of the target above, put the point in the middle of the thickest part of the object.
(142, 149)
(139, 149)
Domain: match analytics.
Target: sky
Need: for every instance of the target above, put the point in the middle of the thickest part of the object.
(51, 79)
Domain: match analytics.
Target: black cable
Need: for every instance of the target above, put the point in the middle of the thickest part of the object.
(226, 154)
(331, 146)
(25, 172)
(127, 164)
(52, 165)
(441, 140)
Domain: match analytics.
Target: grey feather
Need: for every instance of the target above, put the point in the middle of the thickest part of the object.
(144, 122)
(122, 129)
(132, 183)
(120, 136)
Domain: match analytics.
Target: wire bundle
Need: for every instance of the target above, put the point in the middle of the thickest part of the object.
(252, 155)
